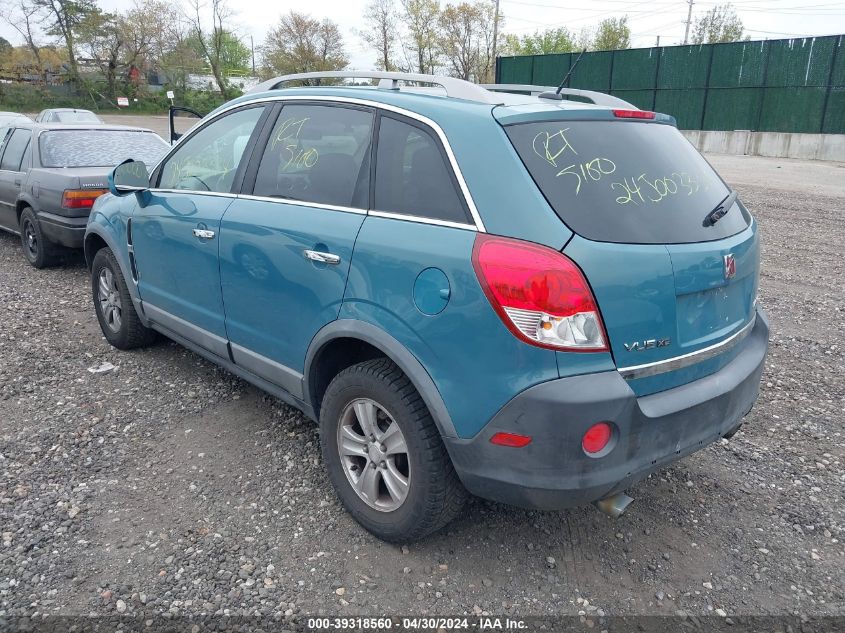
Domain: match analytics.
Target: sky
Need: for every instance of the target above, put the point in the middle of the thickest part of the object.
(648, 19)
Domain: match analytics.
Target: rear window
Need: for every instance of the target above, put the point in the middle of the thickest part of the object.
(625, 181)
(76, 116)
(99, 148)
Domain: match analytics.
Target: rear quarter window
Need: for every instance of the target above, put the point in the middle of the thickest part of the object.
(413, 176)
(625, 181)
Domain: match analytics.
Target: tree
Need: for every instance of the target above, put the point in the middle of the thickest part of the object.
(213, 43)
(116, 43)
(63, 18)
(466, 40)
(382, 21)
(235, 55)
(172, 48)
(301, 44)
(421, 22)
(584, 39)
(22, 16)
(719, 24)
(559, 40)
(613, 34)
(458, 26)
(100, 38)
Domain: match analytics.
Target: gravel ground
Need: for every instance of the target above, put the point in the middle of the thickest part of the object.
(169, 486)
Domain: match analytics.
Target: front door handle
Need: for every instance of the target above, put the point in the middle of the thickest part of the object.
(18, 182)
(323, 258)
(204, 234)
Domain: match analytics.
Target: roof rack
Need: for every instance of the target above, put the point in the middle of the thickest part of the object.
(456, 88)
(598, 98)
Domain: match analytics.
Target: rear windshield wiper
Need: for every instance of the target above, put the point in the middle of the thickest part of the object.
(720, 211)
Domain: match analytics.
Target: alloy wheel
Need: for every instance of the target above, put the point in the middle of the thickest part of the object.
(108, 295)
(374, 455)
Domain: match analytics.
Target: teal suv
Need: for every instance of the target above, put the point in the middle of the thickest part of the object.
(498, 291)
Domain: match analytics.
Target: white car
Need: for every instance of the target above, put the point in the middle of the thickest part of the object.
(67, 115)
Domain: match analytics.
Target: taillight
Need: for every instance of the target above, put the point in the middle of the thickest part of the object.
(633, 114)
(539, 294)
(81, 198)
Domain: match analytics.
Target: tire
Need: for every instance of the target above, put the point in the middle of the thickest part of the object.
(37, 249)
(113, 304)
(434, 494)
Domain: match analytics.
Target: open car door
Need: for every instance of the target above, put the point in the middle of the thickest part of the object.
(181, 120)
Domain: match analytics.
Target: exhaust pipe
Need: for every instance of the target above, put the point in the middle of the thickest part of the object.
(613, 506)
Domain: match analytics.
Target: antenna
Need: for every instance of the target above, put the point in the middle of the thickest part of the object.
(556, 94)
(571, 68)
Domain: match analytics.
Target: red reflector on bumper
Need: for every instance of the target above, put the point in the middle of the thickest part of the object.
(597, 437)
(510, 439)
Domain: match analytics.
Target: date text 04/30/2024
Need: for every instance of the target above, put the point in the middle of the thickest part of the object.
(416, 624)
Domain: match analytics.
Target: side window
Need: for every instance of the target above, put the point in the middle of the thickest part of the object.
(26, 161)
(209, 159)
(318, 153)
(4, 132)
(412, 175)
(15, 147)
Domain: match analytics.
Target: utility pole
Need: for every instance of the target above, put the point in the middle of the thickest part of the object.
(658, 42)
(495, 38)
(689, 21)
(252, 48)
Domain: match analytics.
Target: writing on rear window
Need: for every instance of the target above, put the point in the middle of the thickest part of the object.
(555, 148)
(644, 188)
(624, 181)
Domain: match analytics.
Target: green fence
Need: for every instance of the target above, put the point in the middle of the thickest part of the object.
(772, 86)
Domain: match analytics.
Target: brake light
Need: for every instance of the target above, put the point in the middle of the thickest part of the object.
(539, 294)
(81, 198)
(633, 114)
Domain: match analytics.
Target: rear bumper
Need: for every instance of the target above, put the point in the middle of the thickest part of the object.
(553, 471)
(68, 232)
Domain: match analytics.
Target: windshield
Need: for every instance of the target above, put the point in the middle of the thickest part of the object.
(625, 181)
(77, 116)
(99, 148)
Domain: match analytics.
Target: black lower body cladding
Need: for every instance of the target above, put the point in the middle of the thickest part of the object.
(554, 472)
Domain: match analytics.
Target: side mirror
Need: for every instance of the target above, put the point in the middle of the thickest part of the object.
(128, 177)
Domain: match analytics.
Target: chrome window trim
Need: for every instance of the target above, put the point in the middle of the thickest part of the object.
(685, 360)
(421, 220)
(478, 223)
(195, 193)
(303, 203)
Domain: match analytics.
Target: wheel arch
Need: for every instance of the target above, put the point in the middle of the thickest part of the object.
(20, 205)
(98, 237)
(329, 353)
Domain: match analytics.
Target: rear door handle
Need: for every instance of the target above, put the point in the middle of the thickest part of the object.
(323, 258)
(204, 234)
(18, 182)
